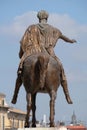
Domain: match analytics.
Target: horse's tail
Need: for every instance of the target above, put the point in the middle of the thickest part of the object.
(41, 68)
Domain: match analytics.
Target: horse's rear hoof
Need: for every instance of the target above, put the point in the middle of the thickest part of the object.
(52, 124)
(26, 125)
(33, 125)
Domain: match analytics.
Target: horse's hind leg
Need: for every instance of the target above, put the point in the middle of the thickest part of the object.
(52, 108)
(33, 110)
(28, 98)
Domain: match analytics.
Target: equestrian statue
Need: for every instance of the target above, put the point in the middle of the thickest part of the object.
(40, 70)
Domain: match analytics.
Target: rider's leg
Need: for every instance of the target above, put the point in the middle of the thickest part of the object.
(64, 82)
(65, 85)
(24, 56)
(20, 66)
(19, 80)
(62, 75)
(65, 89)
(17, 87)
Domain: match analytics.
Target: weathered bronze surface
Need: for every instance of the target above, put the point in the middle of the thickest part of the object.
(39, 69)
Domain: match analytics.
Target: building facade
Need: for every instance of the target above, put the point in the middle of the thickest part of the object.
(10, 118)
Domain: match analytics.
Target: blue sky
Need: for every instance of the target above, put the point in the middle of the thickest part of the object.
(70, 16)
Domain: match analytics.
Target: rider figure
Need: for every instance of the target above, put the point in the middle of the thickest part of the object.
(39, 38)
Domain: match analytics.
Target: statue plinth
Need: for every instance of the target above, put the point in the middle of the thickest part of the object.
(39, 128)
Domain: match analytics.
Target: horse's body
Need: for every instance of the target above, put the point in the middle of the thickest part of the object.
(40, 74)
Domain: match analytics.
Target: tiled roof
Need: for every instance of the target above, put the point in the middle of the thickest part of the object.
(16, 110)
(79, 127)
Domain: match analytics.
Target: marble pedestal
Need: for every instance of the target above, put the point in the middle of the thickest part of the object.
(39, 128)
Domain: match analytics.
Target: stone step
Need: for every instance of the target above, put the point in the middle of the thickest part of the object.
(39, 128)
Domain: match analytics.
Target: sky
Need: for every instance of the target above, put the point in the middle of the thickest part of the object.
(69, 16)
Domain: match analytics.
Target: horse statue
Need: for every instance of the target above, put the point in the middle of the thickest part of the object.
(41, 73)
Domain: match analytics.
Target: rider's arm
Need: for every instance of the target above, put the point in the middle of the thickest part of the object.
(66, 39)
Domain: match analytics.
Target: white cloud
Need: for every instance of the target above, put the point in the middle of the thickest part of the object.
(65, 23)
(18, 25)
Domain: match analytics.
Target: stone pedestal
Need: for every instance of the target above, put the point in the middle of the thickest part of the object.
(39, 128)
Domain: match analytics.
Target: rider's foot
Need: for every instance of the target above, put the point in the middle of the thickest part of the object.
(13, 101)
(69, 99)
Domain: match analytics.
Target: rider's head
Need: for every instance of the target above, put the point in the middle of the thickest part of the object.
(42, 16)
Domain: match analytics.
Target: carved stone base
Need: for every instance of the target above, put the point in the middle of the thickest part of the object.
(39, 128)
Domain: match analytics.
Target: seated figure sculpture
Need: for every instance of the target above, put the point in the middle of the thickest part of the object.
(41, 37)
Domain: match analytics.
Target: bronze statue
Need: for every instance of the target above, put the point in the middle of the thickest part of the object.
(39, 68)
